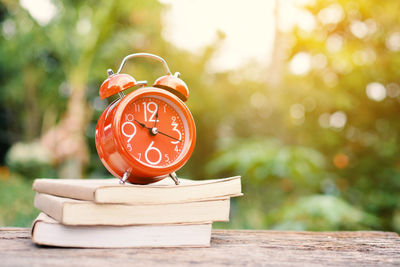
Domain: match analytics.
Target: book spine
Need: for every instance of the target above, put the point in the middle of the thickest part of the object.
(74, 191)
(51, 207)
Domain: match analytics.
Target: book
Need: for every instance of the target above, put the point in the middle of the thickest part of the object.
(47, 231)
(78, 212)
(164, 191)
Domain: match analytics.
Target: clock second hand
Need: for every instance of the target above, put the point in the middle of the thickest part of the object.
(157, 131)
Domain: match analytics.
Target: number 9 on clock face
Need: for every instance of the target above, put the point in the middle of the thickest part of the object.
(154, 131)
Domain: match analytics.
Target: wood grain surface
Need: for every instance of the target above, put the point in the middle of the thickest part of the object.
(228, 247)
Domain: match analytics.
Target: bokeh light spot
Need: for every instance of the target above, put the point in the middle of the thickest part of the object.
(363, 57)
(258, 100)
(306, 21)
(324, 120)
(341, 161)
(332, 14)
(338, 120)
(393, 90)
(359, 29)
(83, 26)
(330, 78)
(297, 111)
(372, 26)
(300, 63)
(376, 91)
(43, 11)
(393, 42)
(334, 43)
(8, 29)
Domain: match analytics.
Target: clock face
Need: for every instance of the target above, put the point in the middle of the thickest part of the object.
(154, 131)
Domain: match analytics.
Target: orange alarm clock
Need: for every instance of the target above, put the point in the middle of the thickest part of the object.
(148, 134)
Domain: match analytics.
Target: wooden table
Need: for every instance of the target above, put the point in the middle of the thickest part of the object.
(228, 247)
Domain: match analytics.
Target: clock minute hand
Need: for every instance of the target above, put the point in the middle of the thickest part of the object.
(169, 136)
(155, 121)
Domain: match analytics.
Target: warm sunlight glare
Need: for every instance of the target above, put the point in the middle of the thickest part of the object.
(41, 10)
(248, 27)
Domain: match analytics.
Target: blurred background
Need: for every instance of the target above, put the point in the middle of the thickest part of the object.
(300, 98)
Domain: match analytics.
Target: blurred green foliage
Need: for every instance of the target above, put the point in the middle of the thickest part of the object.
(315, 137)
(16, 202)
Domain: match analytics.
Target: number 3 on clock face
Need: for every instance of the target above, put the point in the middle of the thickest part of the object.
(154, 131)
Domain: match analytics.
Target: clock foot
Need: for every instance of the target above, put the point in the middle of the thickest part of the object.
(125, 177)
(174, 177)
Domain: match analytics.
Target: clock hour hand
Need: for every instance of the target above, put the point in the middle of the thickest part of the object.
(141, 124)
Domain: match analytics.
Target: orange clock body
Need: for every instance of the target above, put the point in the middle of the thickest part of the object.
(149, 133)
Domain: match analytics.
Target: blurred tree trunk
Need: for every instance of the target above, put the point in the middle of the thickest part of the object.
(32, 118)
(67, 139)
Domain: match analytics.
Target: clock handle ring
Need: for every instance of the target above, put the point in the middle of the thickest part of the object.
(148, 55)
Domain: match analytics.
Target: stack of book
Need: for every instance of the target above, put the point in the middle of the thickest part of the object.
(100, 213)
